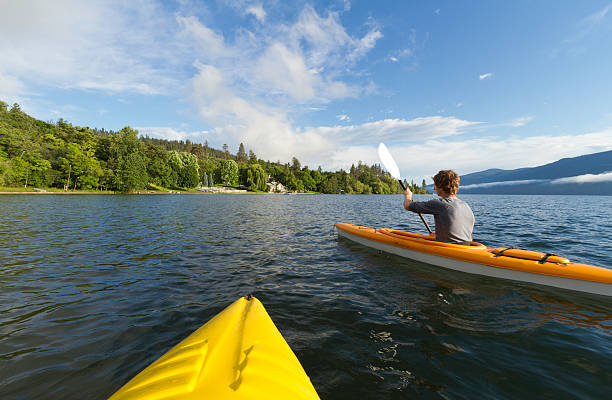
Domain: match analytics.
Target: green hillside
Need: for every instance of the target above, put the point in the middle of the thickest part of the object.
(40, 154)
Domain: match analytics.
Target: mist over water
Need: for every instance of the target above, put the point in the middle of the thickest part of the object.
(95, 288)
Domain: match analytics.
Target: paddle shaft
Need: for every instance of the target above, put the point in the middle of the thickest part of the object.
(420, 215)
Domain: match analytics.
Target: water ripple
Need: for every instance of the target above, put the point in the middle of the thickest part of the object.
(94, 288)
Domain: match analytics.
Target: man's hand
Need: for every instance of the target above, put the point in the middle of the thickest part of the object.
(407, 198)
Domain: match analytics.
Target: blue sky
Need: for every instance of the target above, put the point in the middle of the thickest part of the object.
(445, 84)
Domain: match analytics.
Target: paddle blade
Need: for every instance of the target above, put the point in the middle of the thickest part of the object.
(388, 161)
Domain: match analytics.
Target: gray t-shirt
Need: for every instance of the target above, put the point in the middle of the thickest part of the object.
(454, 218)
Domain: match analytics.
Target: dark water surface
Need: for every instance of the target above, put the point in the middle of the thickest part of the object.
(95, 288)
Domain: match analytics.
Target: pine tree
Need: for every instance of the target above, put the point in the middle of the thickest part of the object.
(241, 155)
(295, 165)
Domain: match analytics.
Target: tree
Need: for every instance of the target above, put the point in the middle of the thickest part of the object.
(128, 161)
(330, 184)
(252, 157)
(253, 177)
(295, 164)
(34, 152)
(6, 172)
(189, 175)
(241, 155)
(276, 172)
(132, 175)
(306, 178)
(291, 182)
(317, 177)
(176, 164)
(206, 149)
(197, 150)
(229, 172)
(20, 170)
(80, 163)
(158, 168)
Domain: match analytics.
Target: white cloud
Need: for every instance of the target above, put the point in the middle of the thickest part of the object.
(285, 71)
(598, 17)
(283, 64)
(343, 117)
(210, 43)
(327, 42)
(587, 178)
(585, 27)
(503, 183)
(477, 154)
(408, 52)
(269, 131)
(396, 130)
(257, 11)
(397, 55)
(521, 121)
(322, 35)
(11, 87)
(365, 44)
(247, 94)
(169, 133)
(265, 129)
(485, 76)
(93, 45)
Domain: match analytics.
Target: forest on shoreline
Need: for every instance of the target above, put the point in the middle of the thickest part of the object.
(34, 153)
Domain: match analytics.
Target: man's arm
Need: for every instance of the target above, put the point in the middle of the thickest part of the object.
(407, 198)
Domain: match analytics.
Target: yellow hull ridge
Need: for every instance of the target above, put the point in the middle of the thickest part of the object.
(506, 263)
(239, 354)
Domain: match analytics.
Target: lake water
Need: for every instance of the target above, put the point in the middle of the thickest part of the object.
(95, 288)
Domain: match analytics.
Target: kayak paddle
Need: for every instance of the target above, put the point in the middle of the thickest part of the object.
(392, 168)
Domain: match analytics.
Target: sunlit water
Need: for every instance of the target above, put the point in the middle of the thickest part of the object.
(95, 288)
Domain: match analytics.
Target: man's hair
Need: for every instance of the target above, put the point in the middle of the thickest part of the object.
(447, 180)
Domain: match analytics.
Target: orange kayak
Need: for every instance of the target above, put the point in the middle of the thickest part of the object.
(501, 262)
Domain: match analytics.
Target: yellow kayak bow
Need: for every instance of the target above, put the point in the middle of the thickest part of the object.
(239, 354)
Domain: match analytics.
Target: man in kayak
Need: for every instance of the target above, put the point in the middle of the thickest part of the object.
(454, 218)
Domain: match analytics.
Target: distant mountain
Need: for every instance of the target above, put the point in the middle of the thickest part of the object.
(587, 174)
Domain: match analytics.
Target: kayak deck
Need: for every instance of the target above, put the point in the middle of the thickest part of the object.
(239, 354)
(506, 263)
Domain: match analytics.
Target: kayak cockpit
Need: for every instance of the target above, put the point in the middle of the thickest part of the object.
(427, 239)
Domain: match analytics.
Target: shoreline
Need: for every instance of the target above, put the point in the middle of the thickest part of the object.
(154, 192)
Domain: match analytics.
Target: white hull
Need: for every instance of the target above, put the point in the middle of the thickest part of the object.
(480, 269)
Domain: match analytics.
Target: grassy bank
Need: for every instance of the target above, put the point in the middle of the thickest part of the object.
(32, 190)
(151, 189)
